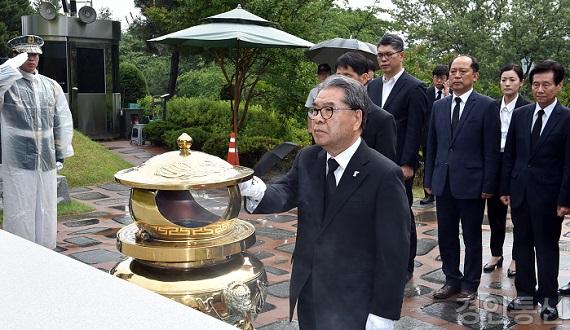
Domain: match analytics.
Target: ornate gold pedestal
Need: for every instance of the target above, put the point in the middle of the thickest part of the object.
(184, 248)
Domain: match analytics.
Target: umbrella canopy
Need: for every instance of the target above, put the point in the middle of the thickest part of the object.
(236, 28)
(243, 33)
(329, 50)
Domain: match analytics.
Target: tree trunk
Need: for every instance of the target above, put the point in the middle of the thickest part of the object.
(174, 61)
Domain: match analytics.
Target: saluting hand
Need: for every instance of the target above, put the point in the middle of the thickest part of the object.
(17, 61)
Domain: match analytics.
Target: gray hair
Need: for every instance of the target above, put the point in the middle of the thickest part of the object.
(355, 95)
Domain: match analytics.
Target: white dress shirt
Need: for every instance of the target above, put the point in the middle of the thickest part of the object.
(506, 113)
(388, 85)
(547, 112)
(463, 98)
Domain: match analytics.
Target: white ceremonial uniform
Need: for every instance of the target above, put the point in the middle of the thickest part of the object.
(36, 129)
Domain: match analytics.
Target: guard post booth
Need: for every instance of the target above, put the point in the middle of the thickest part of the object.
(84, 59)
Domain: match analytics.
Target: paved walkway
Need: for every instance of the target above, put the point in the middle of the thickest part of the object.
(91, 239)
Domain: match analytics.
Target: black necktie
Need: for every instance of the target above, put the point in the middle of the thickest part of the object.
(455, 117)
(438, 95)
(535, 134)
(331, 181)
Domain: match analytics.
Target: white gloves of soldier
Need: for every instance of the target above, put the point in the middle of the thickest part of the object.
(59, 166)
(18, 60)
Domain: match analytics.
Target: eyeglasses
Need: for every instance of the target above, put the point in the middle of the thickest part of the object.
(387, 55)
(326, 112)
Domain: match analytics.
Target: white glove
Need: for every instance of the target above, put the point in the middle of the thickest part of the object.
(18, 60)
(59, 166)
(254, 188)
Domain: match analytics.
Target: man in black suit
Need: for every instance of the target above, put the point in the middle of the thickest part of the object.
(439, 90)
(461, 171)
(536, 182)
(380, 129)
(349, 263)
(404, 97)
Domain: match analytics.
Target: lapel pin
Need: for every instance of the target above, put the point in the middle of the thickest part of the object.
(355, 173)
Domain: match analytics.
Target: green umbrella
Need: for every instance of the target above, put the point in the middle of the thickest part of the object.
(240, 30)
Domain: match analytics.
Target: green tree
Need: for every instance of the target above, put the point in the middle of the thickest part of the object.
(132, 83)
(495, 32)
(10, 21)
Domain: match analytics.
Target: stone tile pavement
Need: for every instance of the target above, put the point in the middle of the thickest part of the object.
(91, 238)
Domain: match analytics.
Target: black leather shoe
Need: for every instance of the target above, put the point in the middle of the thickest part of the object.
(565, 290)
(520, 303)
(428, 200)
(445, 292)
(466, 295)
(511, 273)
(491, 267)
(548, 313)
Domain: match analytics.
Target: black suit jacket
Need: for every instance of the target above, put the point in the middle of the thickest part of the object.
(542, 174)
(407, 102)
(470, 159)
(380, 131)
(355, 250)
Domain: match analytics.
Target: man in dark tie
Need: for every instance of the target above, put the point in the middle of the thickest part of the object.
(461, 170)
(439, 90)
(380, 128)
(349, 263)
(404, 96)
(536, 182)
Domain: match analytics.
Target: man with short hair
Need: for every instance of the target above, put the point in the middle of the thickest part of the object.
(439, 90)
(380, 129)
(349, 263)
(536, 182)
(404, 96)
(461, 170)
(36, 132)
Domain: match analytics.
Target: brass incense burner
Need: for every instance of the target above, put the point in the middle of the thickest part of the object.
(186, 242)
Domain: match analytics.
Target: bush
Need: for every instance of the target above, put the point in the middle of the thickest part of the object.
(156, 128)
(132, 83)
(212, 116)
(251, 149)
(206, 83)
(199, 137)
(217, 145)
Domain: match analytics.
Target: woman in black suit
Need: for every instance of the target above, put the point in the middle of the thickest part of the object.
(511, 81)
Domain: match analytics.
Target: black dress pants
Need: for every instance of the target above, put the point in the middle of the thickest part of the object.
(497, 213)
(450, 213)
(537, 228)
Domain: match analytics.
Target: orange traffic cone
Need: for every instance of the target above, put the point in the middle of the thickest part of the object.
(233, 157)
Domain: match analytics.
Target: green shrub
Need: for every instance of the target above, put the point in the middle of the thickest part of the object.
(262, 122)
(212, 116)
(156, 128)
(132, 83)
(199, 137)
(206, 82)
(252, 148)
(217, 145)
(150, 109)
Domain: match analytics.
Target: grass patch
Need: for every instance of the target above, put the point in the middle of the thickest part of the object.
(92, 163)
(65, 208)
